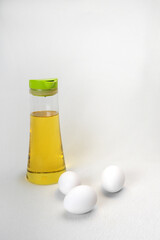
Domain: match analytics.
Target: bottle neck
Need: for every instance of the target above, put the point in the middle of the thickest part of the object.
(44, 103)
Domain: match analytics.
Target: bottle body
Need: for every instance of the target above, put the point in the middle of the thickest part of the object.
(45, 159)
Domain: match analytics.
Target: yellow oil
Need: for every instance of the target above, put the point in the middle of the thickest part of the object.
(46, 160)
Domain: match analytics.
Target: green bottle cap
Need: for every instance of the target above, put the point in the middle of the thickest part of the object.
(43, 87)
(43, 84)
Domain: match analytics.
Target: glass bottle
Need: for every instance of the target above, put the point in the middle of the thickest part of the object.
(45, 159)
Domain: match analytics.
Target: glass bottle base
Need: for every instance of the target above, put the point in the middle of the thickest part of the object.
(44, 178)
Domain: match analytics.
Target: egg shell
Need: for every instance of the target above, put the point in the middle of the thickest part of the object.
(80, 199)
(67, 181)
(113, 179)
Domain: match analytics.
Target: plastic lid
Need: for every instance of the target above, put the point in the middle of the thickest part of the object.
(43, 84)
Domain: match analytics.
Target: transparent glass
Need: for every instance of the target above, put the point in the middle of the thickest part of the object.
(45, 158)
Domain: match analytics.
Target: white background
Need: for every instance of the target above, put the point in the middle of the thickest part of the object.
(106, 55)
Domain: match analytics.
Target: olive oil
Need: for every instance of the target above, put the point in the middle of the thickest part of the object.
(45, 160)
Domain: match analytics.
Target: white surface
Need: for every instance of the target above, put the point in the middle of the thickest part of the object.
(106, 55)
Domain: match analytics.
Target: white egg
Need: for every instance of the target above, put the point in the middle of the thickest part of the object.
(113, 179)
(67, 181)
(80, 199)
